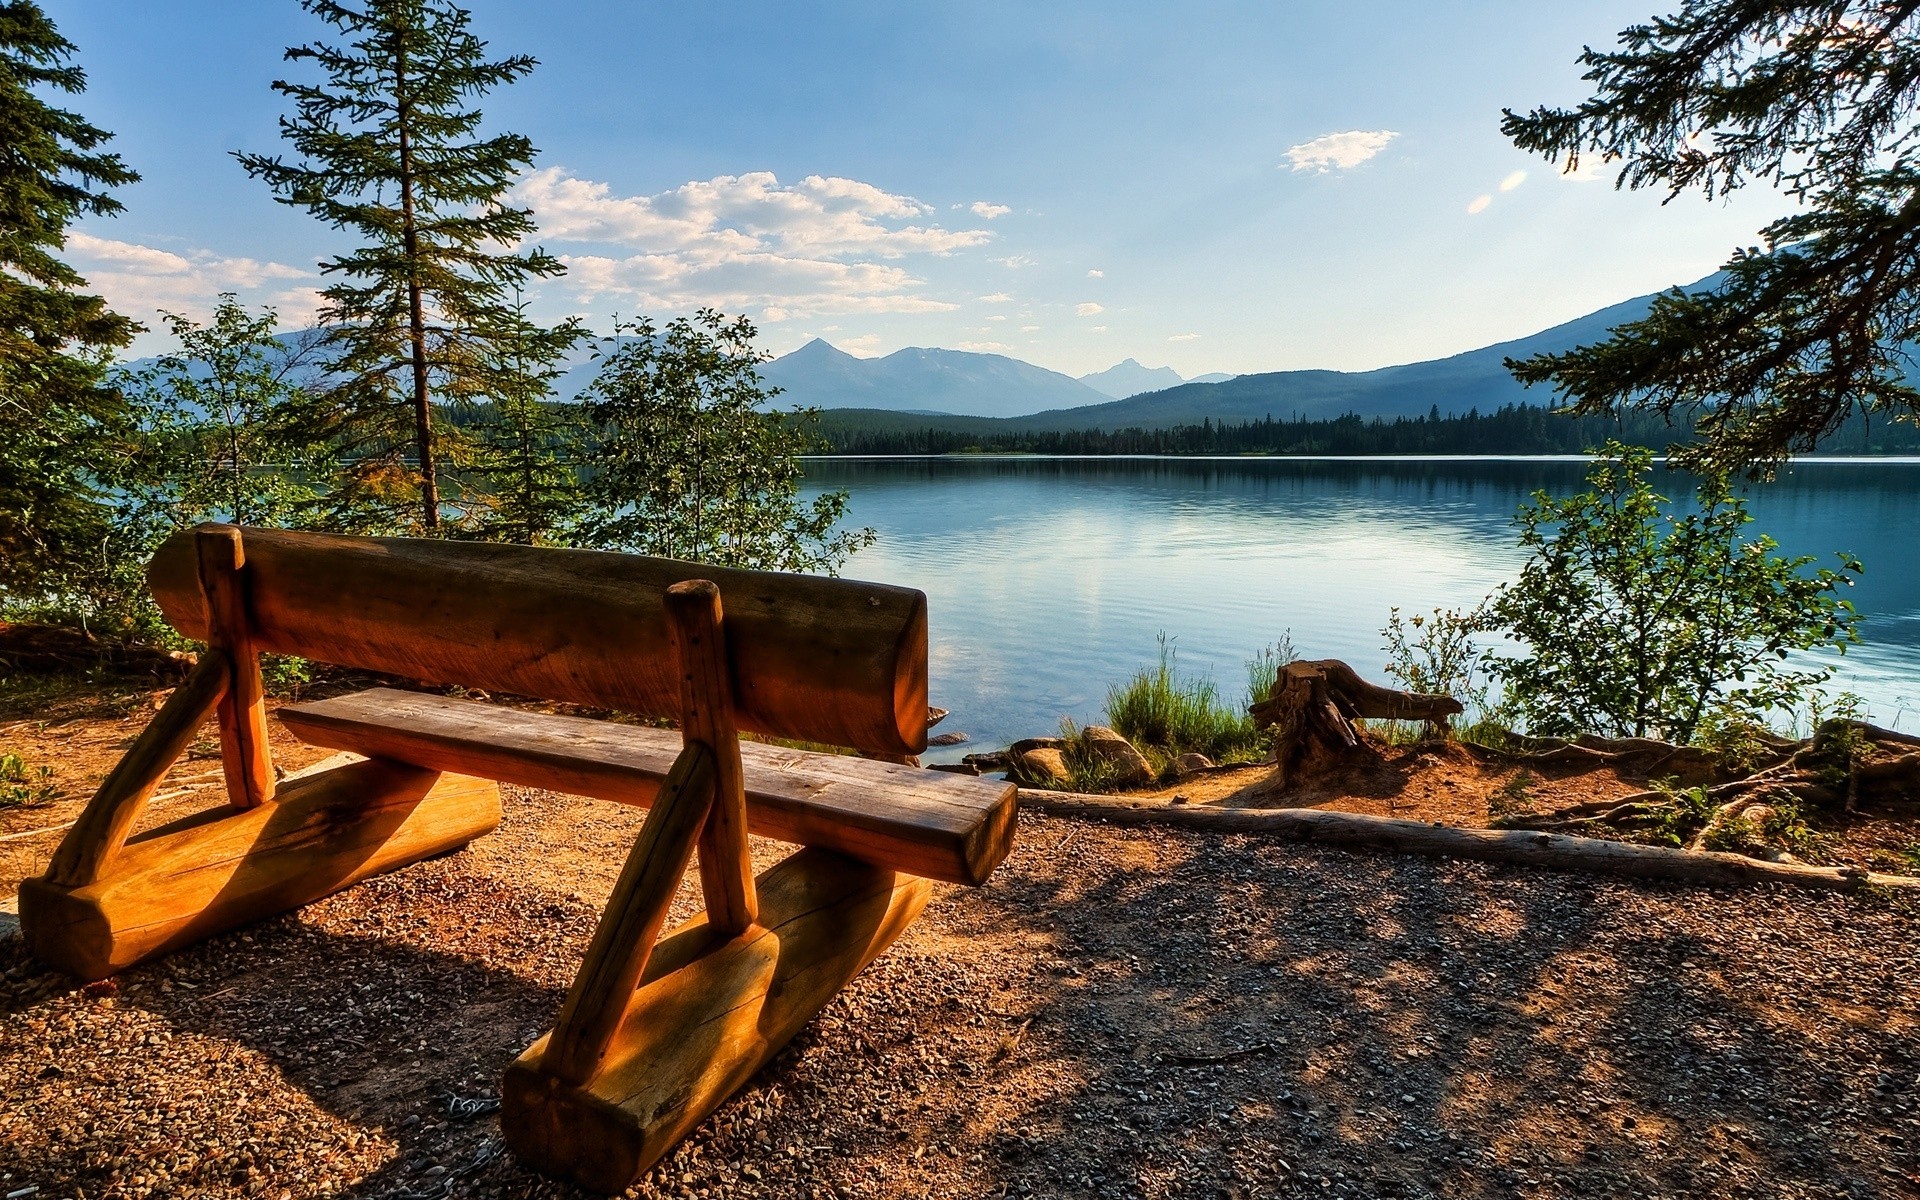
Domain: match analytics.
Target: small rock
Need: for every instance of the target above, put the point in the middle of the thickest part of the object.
(1045, 767)
(1190, 762)
(947, 739)
(1131, 767)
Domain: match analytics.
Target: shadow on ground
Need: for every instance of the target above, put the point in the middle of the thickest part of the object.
(1119, 1013)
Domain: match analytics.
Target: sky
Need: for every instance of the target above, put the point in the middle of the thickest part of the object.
(1214, 186)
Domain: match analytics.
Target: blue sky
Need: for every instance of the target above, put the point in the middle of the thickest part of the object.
(1212, 186)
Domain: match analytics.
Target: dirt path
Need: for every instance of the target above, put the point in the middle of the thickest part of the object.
(1119, 1013)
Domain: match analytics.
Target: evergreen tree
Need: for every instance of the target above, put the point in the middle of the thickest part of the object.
(390, 151)
(690, 464)
(528, 456)
(1818, 102)
(55, 340)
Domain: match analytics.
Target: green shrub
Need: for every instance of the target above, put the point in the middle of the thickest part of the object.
(1638, 617)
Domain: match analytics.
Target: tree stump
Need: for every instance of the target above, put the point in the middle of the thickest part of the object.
(1313, 709)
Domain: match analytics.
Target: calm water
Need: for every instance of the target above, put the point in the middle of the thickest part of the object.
(1048, 579)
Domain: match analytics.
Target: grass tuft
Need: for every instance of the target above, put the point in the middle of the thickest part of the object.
(1167, 716)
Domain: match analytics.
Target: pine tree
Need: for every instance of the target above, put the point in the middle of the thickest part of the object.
(55, 408)
(1817, 101)
(390, 152)
(528, 455)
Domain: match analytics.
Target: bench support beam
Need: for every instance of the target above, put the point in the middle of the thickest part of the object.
(218, 870)
(709, 1012)
(243, 709)
(706, 718)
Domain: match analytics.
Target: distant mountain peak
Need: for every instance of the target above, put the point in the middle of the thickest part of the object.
(924, 379)
(1129, 378)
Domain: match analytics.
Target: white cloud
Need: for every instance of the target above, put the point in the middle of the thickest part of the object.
(1013, 262)
(822, 246)
(1339, 151)
(1479, 204)
(867, 345)
(1096, 274)
(981, 208)
(1029, 329)
(997, 298)
(783, 288)
(1098, 329)
(981, 347)
(1088, 309)
(139, 280)
(1184, 337)
(1513, 181)
(997, 317)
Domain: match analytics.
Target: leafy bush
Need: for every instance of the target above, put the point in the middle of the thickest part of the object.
(1158, 710)
(1640, 622)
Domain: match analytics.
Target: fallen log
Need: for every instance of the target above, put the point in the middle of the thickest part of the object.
(1522, 847)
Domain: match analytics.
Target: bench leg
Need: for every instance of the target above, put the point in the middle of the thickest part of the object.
(218, 870)
(709, 1012)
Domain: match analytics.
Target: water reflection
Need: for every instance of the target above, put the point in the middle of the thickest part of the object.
(1048, 579)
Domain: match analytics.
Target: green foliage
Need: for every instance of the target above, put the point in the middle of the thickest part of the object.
(1435, 653)
(220, 425)
(1637, 623)
(22, 786)
(59, 415)
(689, 464)
(422, 312)
(528, 456)
(1818, 102)
(212, 434)
(1158, 710)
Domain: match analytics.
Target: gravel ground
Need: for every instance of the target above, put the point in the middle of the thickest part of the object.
(1125, 1013)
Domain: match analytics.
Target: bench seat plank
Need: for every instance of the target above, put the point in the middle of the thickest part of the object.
(955, 828)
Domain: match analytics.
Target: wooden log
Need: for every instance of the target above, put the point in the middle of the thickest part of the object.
(632, 920)
(946, 827)
(706, 717)
(1523, 847)
(221, 559)
(710, 1012)
(96, 838)
(816, 659)
(221, 869)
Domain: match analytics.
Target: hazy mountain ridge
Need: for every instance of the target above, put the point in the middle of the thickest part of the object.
(994, 387)
(1130, 378)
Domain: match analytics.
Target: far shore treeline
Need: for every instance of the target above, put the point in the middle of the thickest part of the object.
(1510, 429)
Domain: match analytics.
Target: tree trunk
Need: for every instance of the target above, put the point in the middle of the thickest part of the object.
(1313, 707)
(416, 315)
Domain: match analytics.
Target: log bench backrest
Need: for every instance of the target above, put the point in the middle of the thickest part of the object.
(822, 660)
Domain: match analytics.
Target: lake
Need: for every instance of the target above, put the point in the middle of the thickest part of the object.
(1049, 579)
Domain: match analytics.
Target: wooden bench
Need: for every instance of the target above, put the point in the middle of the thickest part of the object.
(655, 1031)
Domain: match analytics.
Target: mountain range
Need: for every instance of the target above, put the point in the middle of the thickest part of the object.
(941, 385)
(1024, 397)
